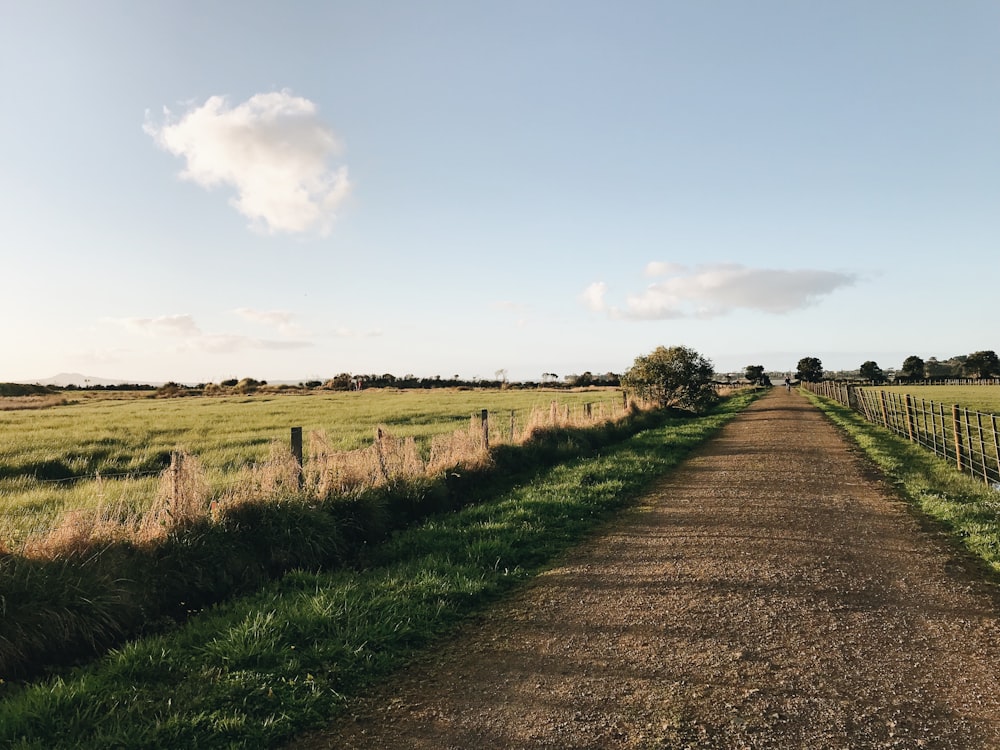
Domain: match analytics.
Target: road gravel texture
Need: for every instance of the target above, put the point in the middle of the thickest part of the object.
(772, 592)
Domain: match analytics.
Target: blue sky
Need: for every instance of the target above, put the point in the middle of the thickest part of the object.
(197, 191)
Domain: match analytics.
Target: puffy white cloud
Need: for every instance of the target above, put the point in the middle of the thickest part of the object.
(272, 149)
(714, 290)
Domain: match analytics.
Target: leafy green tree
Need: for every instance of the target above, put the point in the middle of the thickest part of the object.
(871, 371)
(810, 370)
(677, 376)
(984, 364)
(755, 374)
(913, 368)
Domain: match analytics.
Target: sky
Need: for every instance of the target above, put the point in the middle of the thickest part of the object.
(197, 191)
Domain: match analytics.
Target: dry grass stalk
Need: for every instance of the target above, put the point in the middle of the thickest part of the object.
(275, 478)
(460, 448)
(78, 531)
(181, 498)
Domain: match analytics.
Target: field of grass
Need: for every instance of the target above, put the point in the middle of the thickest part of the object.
(256, 671)
(50, 458)
(981, 398)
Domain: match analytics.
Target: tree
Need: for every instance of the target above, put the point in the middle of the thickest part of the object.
(983, 364)
(677, 376)
(913, 368)
(755, 374)
(871, 371)
(810, 369)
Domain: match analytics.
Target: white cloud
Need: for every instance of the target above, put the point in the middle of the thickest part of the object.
(170, 325)
(283, 320)
(273, 149)
(593, 296)
(194, 339)
(659, 268)
(715, 290)
(224, 343)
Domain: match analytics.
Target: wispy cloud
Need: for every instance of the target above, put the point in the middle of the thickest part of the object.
(168, 325)
(283, 320)
(345, 332)
(714, 290)
(273, 149)
(189, 336)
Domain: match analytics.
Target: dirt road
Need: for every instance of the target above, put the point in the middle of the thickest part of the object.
(771, 593)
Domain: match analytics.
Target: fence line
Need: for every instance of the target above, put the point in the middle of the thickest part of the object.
(386, 459)
(967, 438)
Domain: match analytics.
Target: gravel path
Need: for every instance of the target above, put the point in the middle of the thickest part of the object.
(771, 593)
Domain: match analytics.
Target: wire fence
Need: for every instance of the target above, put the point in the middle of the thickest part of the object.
(307, 464)
(969, 439)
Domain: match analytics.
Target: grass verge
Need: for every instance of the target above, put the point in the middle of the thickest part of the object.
(967, 508)
(258, 670)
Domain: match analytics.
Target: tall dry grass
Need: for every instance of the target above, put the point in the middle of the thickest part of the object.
(184, 494)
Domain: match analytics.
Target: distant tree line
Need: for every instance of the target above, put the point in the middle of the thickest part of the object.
(977, 365)
(347, 381)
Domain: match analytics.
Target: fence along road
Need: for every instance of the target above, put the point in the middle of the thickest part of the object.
(770, 593)
(969, 439)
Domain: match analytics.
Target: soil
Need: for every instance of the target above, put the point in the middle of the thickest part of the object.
(773, 592)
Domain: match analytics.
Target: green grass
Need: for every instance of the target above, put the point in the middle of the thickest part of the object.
(981, 398)
(967, 508)
(43, 451)
(258, 670)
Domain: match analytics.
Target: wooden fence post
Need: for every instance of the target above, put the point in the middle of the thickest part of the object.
(885, 410)
(970, 453)
(982, 446)
(996, 445)
(379, 451)
(944, 430)
(958, 435)
(297, 454)
(909, 417)
(513, 424)
(175, 479)
(485, 419)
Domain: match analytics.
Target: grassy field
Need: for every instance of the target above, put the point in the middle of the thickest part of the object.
(49, 458)
(256, 671)
(981, 398)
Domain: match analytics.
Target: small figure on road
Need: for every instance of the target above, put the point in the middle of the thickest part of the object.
(788, 385)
